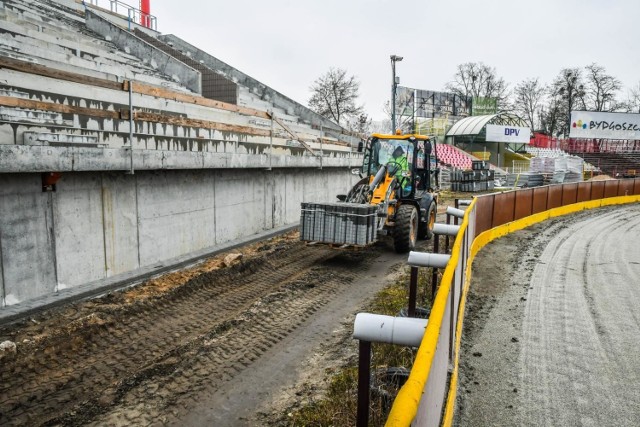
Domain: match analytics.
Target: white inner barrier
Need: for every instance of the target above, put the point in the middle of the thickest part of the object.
(459, 213)
(426, 259)
(406, 331)
(446, 229)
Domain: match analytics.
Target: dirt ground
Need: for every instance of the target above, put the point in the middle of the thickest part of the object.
(223, 343)
(551, 326)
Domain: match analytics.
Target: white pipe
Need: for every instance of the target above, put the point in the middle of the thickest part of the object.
(407, 331)
(426, 259)
(455, 212)
(446, 229)
(464, 202)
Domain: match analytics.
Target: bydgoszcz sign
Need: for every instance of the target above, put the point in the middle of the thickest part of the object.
(593, 124)
(515, 134)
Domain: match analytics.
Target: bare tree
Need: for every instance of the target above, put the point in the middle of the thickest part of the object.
(360, 124)
(528, 97)
(334, 96)
(475, 79)
(567, 93)
(632, 104)
(601, 89)
(552, 117)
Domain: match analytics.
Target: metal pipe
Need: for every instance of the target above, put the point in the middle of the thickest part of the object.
(456, 213)
(131, 171)
(364, 374)
(413, 290)
(425, 259)
(406, 331)
(446, 229)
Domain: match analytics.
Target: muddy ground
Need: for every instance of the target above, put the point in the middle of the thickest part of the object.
(215, 344)
(551, 326)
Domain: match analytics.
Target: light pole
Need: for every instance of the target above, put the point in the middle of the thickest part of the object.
(394, 86)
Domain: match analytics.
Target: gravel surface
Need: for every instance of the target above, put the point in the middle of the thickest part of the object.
(552, 325)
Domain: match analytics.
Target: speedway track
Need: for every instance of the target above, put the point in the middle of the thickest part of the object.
(553, 325)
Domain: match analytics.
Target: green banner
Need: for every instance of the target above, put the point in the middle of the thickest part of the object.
(484, 106)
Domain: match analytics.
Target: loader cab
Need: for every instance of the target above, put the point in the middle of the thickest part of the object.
(407, 157)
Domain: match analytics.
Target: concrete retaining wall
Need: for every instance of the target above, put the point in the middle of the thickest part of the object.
(100, 224)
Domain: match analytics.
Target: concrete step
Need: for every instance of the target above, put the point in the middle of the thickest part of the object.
(32, 116)
(60, 139)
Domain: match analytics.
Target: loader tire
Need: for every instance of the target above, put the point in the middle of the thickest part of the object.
(425, 229)
(405, 232)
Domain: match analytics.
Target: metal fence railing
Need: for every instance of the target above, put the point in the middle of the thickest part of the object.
(428, 396)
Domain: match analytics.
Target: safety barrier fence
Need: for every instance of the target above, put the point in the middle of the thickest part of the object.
(428, 396)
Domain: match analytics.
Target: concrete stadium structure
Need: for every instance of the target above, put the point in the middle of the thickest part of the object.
(122, 149)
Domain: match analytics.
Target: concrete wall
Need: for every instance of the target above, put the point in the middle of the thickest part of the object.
(99, 224)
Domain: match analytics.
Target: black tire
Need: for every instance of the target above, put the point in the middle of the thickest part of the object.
(425, 229)
(405, 231)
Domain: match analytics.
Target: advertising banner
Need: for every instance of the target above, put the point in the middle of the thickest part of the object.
(593, 124)
(514, 134)
(484, 106)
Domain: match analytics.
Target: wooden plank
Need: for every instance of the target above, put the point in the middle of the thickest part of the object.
(9, 101)
(42, 70)
(184, 121)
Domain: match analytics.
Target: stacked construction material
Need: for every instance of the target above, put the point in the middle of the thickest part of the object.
(480, 178)
(338, 223)
(525, 180)
(556, 170)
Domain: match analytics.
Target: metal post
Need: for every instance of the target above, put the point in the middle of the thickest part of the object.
(452, 315)
(321, 152)
(4, 302)
(131, 171)
(271, 142)
(364, 372)
(413, 290)
(434, 273)
(394, 59)
(446, 240)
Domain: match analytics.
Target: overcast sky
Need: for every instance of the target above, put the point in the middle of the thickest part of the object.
(287, 44)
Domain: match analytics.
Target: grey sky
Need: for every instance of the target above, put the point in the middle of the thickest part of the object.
(287, 44)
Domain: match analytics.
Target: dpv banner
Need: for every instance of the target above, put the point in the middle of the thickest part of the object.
(593, 124)
(516, 134)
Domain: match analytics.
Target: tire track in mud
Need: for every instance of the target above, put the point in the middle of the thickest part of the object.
(149, 359)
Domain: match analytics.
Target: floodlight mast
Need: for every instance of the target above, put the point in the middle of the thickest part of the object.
(394, 86)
